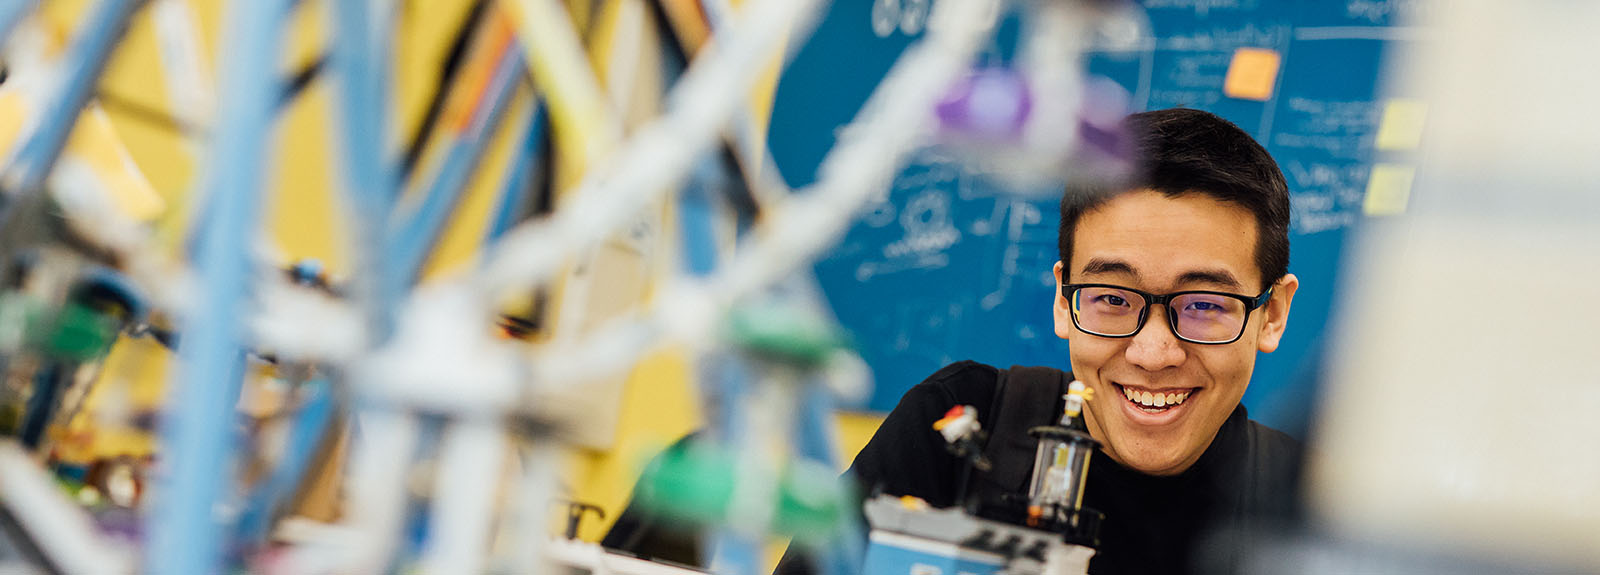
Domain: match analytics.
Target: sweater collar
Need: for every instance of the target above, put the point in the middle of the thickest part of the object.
(1214, 466)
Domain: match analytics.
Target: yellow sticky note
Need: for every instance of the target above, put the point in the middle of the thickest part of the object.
(1389, 189)
(1401, 126)
(1252, 74)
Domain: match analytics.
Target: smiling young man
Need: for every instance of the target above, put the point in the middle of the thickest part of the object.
(1169, 288)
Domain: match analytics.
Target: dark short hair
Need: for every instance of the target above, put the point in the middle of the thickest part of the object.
(1182, 151)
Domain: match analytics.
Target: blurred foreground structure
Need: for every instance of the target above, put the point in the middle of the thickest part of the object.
(391, 283)
(585, 187)
(1456, 429)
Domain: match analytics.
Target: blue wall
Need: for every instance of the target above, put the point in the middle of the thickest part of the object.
(948, 267)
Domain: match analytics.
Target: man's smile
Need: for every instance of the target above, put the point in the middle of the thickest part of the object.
(1153, 406)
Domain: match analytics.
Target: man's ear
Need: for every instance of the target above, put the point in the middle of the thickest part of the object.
(1063, 315)
(1275, 315)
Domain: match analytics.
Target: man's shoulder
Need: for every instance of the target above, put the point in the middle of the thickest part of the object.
(1271, 444)
(964, 382)
(1274, 464)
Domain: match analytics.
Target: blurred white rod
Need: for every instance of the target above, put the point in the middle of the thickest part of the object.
(188, 85)
(752, 153)
(536, 489)
(869, 152)
(593, 559)
(560, 66)
(711, 91)
(471, 464)
(59, 527)
(383, 443)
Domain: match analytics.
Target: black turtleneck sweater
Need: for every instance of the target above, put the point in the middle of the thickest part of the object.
(1194, 521)
(1247, 478)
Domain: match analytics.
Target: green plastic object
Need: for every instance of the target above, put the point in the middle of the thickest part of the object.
(696, 484)
(785, 333)
(80, 334)
(811, 502)
(689, 483)
(75, 333)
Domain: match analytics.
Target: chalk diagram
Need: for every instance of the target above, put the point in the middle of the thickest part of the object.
(926, 228)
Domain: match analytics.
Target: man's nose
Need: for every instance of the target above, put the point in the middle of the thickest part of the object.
(1155, 347)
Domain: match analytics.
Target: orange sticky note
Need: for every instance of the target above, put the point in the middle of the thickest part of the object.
(1252, 74)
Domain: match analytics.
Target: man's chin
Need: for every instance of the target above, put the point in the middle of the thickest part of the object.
(1151, 455)
(1156, 465)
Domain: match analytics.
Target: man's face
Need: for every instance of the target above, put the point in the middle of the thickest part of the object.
(1147, 241)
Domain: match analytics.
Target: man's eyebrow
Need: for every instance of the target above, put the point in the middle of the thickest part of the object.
(1105, 266)
(1219, 277)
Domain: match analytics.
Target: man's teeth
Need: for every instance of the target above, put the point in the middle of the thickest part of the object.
(1155, 399)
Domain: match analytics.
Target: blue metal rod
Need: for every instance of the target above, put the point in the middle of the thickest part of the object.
(310, 424)
(814, 440)
(730, 551)
(86, 60)
(412, 236)
(524, 169)
(185, 535)
(697, 215)
(47, 387)
(361, 49)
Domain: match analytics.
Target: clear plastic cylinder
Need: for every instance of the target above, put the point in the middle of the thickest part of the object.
(1059, 468)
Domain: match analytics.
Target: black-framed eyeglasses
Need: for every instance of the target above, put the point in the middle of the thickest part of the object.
(1207, 317)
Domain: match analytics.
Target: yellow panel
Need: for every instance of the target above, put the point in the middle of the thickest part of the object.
(134, 76)
(14, 110)
(135, 71)
(602, 37)
(688, 23)
(762, 95)
(854, 429)
(132, 381)
(306, 37)
(303, 212)
(659, 406)
(95, 143)
(423, 41)
(582, 12)
(159, 154)
(62, 17)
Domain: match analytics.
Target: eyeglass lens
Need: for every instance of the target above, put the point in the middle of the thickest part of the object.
(1199, 317)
